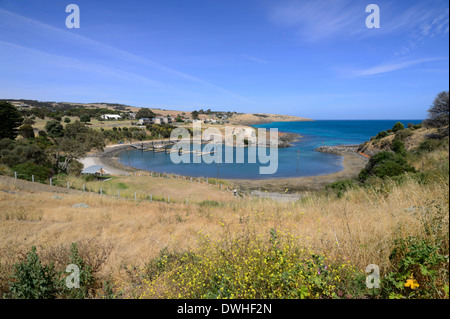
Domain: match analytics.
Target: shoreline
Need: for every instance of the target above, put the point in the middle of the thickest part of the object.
(353, 163)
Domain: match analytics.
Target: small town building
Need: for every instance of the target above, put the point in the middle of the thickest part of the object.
(93, 170)
(110, 117)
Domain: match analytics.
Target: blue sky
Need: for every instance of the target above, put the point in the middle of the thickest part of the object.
(315, 59)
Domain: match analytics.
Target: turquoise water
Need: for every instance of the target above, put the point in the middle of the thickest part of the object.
(309, 163)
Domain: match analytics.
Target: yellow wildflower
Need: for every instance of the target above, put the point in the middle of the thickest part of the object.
(411, 282)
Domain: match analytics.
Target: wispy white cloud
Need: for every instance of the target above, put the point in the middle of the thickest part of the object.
(328, 19)
(31, 25)
(317, 20)
(71, 63)
(255, 59)
(386, 67)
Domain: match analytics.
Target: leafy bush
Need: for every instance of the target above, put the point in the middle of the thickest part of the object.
(429, 145)
(398, 147)
(385, 164)
(32, 280)
(75, 168)
(381, 135)
(25, 171)
(421, 270)
(403, 134)
(211, 203)
(340, 187)
(398, 127)
(87, 279)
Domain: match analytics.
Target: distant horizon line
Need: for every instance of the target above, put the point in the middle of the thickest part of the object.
(165, 109)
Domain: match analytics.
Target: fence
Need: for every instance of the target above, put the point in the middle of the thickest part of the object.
(205, 180)
(109, 191)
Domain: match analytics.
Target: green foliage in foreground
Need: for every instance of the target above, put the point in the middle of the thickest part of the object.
(249, 266)
(421, 270)
(32, 279)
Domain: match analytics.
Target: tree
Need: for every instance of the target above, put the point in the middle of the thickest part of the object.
(54, 129)
(67, 120)
(398, 127)
(85, 118)
(29, 121)
(438, 113)
(144, 113)
(26, 131)
(75, 128)
(194, 115)
(10, 119)
(77, 141)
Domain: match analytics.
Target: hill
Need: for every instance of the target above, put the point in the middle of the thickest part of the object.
(235, 118)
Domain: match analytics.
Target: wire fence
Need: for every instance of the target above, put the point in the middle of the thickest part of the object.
(124, 192)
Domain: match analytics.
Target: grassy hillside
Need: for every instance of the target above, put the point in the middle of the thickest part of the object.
(218, 247)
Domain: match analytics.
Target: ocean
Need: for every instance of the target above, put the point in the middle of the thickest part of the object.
(296, 161)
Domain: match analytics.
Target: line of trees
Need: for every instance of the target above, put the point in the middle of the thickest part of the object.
(55, 150)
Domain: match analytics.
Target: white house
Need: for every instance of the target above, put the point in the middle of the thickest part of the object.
(110, 117)
(145, 120)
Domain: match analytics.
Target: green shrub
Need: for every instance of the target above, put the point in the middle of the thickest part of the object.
(75, 168)
(89, 177)
(340, 187)
(403, 134)
(32, 280)
(26, 170)
(420, 270)
(398, 147)
(398, 127)
(87, 279)
(381, 135)
(429, 145)
(211, 203)
(385, 164)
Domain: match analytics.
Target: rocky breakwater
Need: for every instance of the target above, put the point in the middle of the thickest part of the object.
(338, 149)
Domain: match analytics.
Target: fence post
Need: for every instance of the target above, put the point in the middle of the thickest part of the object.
(101, 191)
(151, 197)
(84, 187)
(15, 175)
(67, 185)
(51, 184)
(186, 200)
(168, 199)
(118, 193)
(32, 178)
(134, 195)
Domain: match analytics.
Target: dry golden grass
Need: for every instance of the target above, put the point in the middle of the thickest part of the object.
(360, 227)
(160, 187)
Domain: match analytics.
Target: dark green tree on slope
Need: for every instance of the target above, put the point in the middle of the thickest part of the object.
(10, 120)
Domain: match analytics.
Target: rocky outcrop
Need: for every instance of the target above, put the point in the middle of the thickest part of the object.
(338, 149)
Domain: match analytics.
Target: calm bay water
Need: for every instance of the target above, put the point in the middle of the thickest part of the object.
(310, 163)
